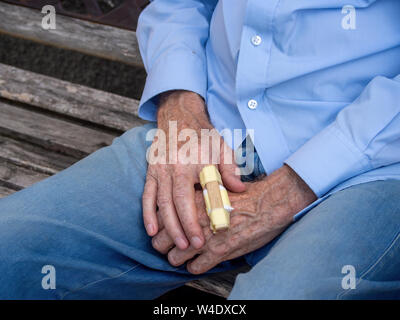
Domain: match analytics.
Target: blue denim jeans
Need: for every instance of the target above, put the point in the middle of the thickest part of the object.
(86, 222)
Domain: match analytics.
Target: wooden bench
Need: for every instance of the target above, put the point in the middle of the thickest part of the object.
(43, 120)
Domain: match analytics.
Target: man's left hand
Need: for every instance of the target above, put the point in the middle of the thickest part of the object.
(260, 213)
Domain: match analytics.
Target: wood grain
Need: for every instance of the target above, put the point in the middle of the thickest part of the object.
(214, 195)
(15, 177)
(107, 109)
(72, 34)
(219, 284)
(4, 191)
(51, 133)
(32, 157)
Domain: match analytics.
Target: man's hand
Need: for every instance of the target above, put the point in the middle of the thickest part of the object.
(170, 186)
(261, 213)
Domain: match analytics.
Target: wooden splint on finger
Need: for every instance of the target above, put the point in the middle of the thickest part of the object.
(216, 198)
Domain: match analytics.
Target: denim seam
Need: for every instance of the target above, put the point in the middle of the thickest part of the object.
(100, 280)
(371, 268)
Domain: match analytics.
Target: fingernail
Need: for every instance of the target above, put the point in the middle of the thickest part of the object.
(181, 243)
(150, 228)
(196, 242)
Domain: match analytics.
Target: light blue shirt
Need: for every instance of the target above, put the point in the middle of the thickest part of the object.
(318, 82)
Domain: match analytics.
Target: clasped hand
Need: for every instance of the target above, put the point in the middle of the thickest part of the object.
(174, 213)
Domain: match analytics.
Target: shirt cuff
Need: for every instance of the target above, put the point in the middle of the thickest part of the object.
(328, 159)
(179, 70)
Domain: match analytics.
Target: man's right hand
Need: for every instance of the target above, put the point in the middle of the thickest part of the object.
(170, 186)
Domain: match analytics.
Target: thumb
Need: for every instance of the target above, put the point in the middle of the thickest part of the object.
(228, 170)
(230, 179)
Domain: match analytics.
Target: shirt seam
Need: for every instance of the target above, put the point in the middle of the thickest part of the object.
(272, 24)
(351, 146)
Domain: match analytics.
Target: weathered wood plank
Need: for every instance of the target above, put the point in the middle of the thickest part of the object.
(32, 157)
(4, 191)
(15, 177)
(72, 34)
(219, 284)
(51, 133)
(215, 286)
(74, 100)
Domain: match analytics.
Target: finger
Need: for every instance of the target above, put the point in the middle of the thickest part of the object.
(162, 242)
(203, 263)
(201, 210)
(168, 213)
(228, 170)
(177, 257)
(184, 200)
(149, 202)
(160, 222)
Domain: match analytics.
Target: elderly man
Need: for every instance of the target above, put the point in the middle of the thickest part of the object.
(318, 217)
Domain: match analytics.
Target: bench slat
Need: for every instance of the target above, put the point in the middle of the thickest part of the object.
(74, 100)
(219, 284)
(15, 177)
(71, 34)
(32, 157)
(4, 191)
(51, 133)
(215, 286)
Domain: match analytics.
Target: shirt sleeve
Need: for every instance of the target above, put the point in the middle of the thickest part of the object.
(172, 36)
(364, 136)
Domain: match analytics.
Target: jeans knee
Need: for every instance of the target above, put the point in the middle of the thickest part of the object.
(130, 150)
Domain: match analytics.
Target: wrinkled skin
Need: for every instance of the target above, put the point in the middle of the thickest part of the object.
(173, 211)
(261, 213)
(170, 186)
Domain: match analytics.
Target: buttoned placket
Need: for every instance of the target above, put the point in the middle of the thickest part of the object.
(251, 83)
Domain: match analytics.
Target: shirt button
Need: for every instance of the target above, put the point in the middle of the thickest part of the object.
(252, 104)
(256, 40)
